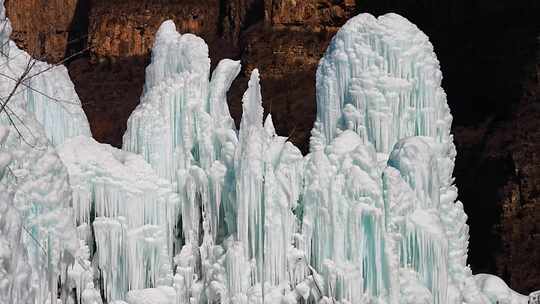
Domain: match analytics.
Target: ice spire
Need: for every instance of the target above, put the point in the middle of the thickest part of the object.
(222, 78)
(249, 169)
(268, 181)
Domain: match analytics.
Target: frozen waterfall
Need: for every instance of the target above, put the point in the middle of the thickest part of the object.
(369, 215)
(192, 210)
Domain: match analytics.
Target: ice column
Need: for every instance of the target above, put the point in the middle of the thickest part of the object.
(183, 128)
(249, 168)
(379, 87)
(135, 212)
(163, 127)
(15, 269)
(344, 223)
(380, 77)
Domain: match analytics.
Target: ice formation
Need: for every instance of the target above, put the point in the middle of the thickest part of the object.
(369, 215)
(123, 211)
(38, 240)
(497, 291)
(47, 92)
(193, 210)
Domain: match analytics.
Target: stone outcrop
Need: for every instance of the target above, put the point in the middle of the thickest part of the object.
(127, 28)
(520, 196)
(46, 28)
(486, 50)
(313, 15)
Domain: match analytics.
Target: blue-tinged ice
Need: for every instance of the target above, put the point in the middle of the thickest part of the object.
(132, 211)
(42, 89)
(193, 210)
(369, 215)
(38, 240)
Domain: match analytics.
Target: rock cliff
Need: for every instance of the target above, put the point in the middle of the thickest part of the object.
(44, 28)
(487, 51)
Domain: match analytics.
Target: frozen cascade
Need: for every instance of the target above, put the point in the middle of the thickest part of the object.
(381, 80)
(38, 238)
(134, 211)
(194, 211)
(45, 90)
(15, 270)
(269, 176)
(183, 128)
(369, 215)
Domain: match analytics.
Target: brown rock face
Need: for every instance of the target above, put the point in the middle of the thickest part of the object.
(120, 37)
(127, 28)
(314, 15)
(486, 49)
(44, 28)
(275, 36)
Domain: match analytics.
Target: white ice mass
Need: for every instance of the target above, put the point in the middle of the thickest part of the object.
(193, 210)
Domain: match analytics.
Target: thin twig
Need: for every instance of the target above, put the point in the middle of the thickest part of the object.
(21, 121)
(35, 240)
(52, 66)
(17, 130)
(29, 67)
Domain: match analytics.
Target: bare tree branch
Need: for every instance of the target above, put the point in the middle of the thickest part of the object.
(30, 64)
(52, 66)
(17, 129)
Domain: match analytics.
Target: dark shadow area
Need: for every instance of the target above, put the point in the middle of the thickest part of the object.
(78, 30)
(483, 47)
(109, 91)
(283, 99)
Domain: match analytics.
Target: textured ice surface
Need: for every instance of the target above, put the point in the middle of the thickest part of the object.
(37, 237)
(132, 211)
(39, 197)
(46, 91)
(497, 291)
(381, 78)
(369, 215)
(15, 270)
(194, 211)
